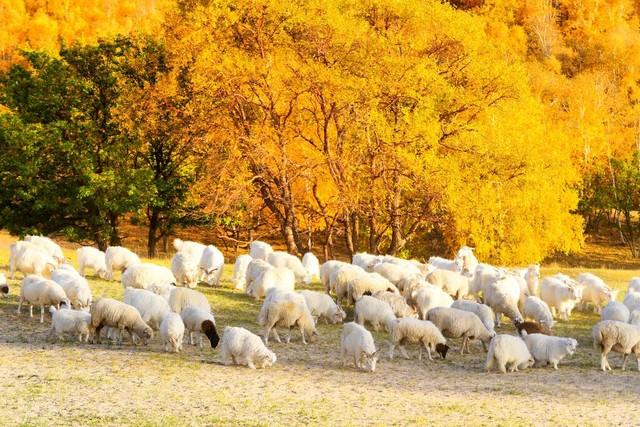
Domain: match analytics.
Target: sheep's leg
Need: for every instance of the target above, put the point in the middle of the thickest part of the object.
(42, 314)
(555, 364)
(275, 334)
(391, 348)
(191, 337)
(289, 336)
(343, 356)
(624, 361)
(19, 305)
(498, 316)
(465, 342)
(403, 351)
(638, 360)
(301, 334)
(250, 364)
(51, 333)
(30, 310)
(604, 362)
(376, 326)
(428, 347)
(133, 342)
(502, 366)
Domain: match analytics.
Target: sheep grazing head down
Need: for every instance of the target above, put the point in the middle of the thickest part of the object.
(146, 334)
(209, 330)
(313, 336)
(4, 289)
(442, 350)
(368, 361)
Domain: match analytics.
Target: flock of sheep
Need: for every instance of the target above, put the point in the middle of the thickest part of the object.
(416, 303)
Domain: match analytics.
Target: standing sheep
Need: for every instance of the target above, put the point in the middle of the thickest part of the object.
(118, 258)
(538, 310)
(185, 270)
(395, 273)
(340, 279)
(254, 270)
(29, 259)
(503, 297)
(75, 286)
(326, 269)
(116, 314)
(239, 278)
(172, 332)
(260, 250)
(40, 291)
(615, 311)
(397, 303)
(369, 282)
(293, 263)
(49, 246)
(181, 298)
(508, 351)
(199, 320)
(357, 343)
(421, 332)
(275, 277)
(322, 306)
(611, 335)
(241, 347)
(211, 265)
(90, 257)
(595, 291)
(286, 309)
(559, 295)
(152, 277)
(152, 308)
(454, 323)
(374, 311)
(312, 265)
(545, 348)
(365, 261)
(69, 322)
(453, 283)
(427, 297)
(483, 311)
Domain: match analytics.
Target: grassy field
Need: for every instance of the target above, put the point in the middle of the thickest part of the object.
(44, 383)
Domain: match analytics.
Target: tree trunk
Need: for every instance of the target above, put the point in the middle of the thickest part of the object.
(355, 231)
(114, 237)
(152, 236)
(348, 233)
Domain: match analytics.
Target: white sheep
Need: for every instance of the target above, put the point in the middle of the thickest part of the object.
(412, 267)
(75, 286)
(485, 275)
(369, 282)
(421, 332)
(340, 279)
(452, 282)
(615, 311)
(634, 318)
(191, 249)
(503, 297)
(37, 290)
(29, 259)
(152, 308)
(611, 335)
(275, 277)
(365, 261)
(254, 270)
(311, 264)
(560, 295)
(322, 306)
(454, 323)
(185, 270)
(634, 285)
(199, 320)
(536, 309)
(239, 278)
(152, 277)
(357, 343)
(118, 258)
(395, 273)
(181, 298)
(286, 309)
(439, 263)
(595, 291)
(293, 263)
(483, 311)
(508, 351)
(427, 297)
(549, 349)
(116, 314)
(531, 275)
(172, 332)
(466, 260)
(49, 246)
(4, 287)
(397, 303)
(374, 311)
(260, 250)
(65, 321)
(632, 301)
(211, 265)
(241, 347)
(326, 269)
(90, 257)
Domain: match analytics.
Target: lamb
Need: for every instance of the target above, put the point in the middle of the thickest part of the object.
(453, 283)
(428, 297)
(326, 269)
(374, 311)
(49, 246)
(4, 287)
(483, 311)
(559, 296)
(254, 270)
(185, 270)
(286, 309)
(357, 343)
(181, 298)
(508, 351)
(75, 286)
(116, 314)
(611, 335)
(549, 349)
(69, 321)
(29, 259)
(538, 310)
(275, 277)
(37, 290)
(199, 320)
(397, 303)
(118, 258)
(172, 332)
(152, 308)
(311, 264)
(260, 250)
(503, 296)
(322, 306)
(454, 323)
(293, 263)
(422, 332)
(632, 301)
(634, 285)
(395, 273)
(595, 291)
(369, 282)
(152, 277)
(90, 257)
(615, 311)
(211, 264)
(241, 347)
(239, 278)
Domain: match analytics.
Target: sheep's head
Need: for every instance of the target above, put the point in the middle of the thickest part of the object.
(313, 335)
(209, 329)
(266, 359)
(102, 273)
(339, 315)
(4, 289)
(145, 334)
(529, 363)
(570, 345)
(442, 350)
(368, 361)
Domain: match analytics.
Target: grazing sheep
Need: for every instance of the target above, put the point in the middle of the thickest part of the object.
(634, 285)
(611, 335)
(75, 286)
(286, 309)
(260, 250)
(560, 295)
(241, 347)
(191, 249)
(118, 258)
(632, 301)
(116, 314)
(503, 297)
(199, 320)
(65, 321)
(395, 273)
(172, 331)
(239, 278)
(365, 261)
(254, 270)
(49, 246)
(595, 291)
(211, 264)
(397, 303)
(311, 264)
(185, 270)
(428, 297)
(90, 257)
(508, 351)
(152, 308)
(483, 311)
(341, 278)
(549, 349)
(357, 343)
(4, 287)
(421, 332)
(322, 306)
(275, 277)
(152, 277)
(531, 328)
(326, 269)
(29, 259)
(454, 323)
(374, 311)
(411, 267)
(452, 282)
(536, 309)
(293, 263)
(369, 282)
(37, 290)
(181, 298)
(485, 275)
(409, 286)
(615, 311)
